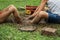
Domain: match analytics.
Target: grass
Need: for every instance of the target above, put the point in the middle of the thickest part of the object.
(9, 31)
(18, 3)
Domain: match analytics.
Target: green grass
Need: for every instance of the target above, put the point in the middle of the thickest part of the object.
(9, 31)
(18, 3)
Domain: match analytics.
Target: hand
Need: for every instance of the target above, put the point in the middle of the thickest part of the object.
(46, 8)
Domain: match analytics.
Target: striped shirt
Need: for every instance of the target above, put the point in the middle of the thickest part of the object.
(54, 6)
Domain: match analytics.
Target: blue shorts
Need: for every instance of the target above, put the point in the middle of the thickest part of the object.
(53, 18)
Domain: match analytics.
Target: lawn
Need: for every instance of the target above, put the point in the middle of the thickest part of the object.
(9, 31)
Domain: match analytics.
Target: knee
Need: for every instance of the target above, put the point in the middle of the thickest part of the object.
(12, 6)
(43, 14)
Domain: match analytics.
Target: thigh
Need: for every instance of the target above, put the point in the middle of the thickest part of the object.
(4, 15)
(43, 14)
(6, 19)
(6, 12)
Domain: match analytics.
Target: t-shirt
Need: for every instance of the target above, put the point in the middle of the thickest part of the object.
(54, 6)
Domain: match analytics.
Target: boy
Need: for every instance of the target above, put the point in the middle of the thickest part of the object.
(51, 16)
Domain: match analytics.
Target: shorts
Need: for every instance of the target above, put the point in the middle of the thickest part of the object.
(53, 18)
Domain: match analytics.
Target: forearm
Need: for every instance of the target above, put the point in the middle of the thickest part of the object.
(37, 9)
(41, 6)
(43, 3)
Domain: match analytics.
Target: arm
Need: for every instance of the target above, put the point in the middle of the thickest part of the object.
(41, 6)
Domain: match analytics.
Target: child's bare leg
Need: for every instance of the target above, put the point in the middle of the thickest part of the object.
(39, 16)
(7, 11)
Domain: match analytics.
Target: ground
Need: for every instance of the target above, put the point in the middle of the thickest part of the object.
(9, 31)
